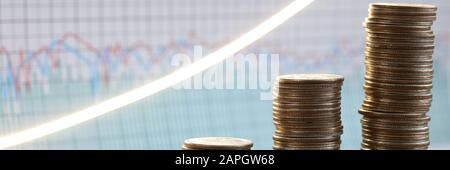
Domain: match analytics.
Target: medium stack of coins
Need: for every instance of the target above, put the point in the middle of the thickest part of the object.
(217, 143)
(398, 80)
(307, 112)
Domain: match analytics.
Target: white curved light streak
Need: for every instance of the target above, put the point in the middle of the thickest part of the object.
(151, 88)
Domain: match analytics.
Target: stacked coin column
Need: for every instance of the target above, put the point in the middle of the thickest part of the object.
(217, 143)
(398, 79)
(307, 112)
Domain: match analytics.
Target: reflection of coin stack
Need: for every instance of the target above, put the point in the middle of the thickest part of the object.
(398, 78)
(217, 143)
(307, 111)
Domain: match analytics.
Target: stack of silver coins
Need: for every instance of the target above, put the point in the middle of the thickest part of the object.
(398, 79)
(217, 143)
(307, 112)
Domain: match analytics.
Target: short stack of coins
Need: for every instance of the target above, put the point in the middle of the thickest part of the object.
(217, 143)
(398, 79)
(307, 112)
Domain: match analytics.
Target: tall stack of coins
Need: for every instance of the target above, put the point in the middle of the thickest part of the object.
(307, 112)
(398, 80)
(217, 143)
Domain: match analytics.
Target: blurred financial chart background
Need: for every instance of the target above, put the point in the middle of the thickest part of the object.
(59, 56)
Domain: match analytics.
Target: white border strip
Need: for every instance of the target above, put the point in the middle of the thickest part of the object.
(155, 86)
